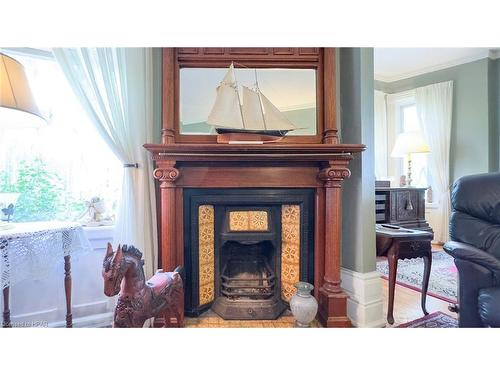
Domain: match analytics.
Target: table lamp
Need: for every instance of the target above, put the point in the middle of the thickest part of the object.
(15, 91)
(409, 143)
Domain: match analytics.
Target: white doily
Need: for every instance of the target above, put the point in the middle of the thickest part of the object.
(32, 250)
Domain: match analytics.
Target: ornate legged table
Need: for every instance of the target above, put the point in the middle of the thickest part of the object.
(30, 250)
(400, 243)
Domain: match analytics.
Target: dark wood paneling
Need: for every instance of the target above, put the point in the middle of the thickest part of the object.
(309, 51)
(213, 51)
(188, 51)
(248, 51)
(283, 51)
(230, 177)
(279, 54)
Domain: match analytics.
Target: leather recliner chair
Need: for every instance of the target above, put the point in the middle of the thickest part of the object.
(475, 247)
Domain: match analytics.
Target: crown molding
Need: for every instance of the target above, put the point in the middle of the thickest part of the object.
(491, 54)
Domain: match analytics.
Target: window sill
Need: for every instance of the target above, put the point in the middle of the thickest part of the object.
(102, 233)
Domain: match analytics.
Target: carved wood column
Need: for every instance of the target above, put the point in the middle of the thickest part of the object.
(168, 132)
(329, 97)
(166, 173)
(332, 300)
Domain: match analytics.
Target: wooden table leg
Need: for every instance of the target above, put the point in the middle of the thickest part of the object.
(425, 280)
(67, 289)
(6, 308)
(6, 323)
(392, 258)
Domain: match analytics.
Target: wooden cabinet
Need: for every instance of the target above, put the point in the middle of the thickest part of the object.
(403, 207)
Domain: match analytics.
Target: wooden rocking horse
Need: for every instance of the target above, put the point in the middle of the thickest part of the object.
(161, 296)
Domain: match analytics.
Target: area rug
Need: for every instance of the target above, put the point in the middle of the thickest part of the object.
(434, 320)
(442, 282)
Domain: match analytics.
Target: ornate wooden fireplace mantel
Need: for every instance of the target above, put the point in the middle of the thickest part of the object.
(317, 162)
(322, 167)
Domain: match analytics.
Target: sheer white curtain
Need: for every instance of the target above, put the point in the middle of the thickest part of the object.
(434, 107)
(380, 120)
(115, 86)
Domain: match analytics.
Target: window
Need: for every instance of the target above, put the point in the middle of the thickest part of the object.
(52, 169)
(409, 123)
(402, 117)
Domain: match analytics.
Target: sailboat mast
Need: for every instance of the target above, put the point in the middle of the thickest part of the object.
(238, 94)
(260, 100)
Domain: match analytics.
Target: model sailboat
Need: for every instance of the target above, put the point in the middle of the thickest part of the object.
(254, 120)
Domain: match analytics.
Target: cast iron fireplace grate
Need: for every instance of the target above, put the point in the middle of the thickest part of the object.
(248, 286)
(247, 277)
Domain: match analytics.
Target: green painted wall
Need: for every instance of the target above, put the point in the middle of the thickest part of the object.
(495, 103)
(493, 114)
(356, 123)
(474, 137)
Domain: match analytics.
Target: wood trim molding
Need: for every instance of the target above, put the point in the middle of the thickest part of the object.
(168, 97)
(330, 97)
(332, 299)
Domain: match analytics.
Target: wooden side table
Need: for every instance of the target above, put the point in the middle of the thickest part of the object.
(399, 243)
(42, 243)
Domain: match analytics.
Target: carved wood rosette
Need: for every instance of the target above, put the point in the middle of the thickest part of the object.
(167, 174)
(332, 300)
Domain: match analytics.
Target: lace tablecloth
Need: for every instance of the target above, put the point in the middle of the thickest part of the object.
(32, 250)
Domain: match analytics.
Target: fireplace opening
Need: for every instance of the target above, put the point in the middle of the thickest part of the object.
(247, 273)
(245, 249)
(248, 264)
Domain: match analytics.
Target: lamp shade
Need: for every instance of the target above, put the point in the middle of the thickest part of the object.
(409, 143)
(15, 91)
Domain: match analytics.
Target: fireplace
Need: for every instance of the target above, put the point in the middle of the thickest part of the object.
(197, 180)
(245, 249)
(249, 288)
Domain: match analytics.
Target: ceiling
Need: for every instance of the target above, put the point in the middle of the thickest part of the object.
(392, 64)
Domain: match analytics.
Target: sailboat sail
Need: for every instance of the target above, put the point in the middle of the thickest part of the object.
(273, 117)
(252, 110)
(226, 111)
(256, 113)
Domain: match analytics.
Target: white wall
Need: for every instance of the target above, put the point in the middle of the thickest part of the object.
(44, 300)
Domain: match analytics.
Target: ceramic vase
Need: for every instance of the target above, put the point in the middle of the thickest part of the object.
(303, 304)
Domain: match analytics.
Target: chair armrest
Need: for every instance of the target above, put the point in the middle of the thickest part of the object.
(460, 250)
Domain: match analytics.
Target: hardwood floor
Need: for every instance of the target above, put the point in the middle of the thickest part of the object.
(407, 305)
(407, 302)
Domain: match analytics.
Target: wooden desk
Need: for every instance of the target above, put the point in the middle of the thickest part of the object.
(404, 244)
(404, 207)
